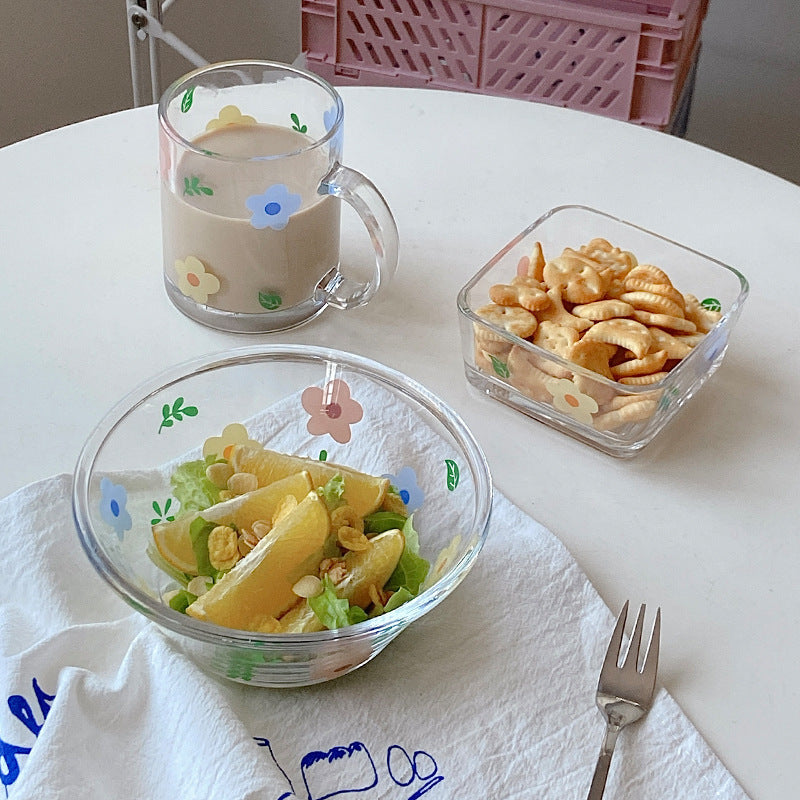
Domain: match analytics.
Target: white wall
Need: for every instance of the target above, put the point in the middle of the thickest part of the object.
(67, 60)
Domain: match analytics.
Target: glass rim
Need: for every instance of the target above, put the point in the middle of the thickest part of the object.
(182, 83)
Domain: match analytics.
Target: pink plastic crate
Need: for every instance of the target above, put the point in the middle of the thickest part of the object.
(627, 59)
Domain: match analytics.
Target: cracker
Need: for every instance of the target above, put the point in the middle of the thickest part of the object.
(578, 280)
(526, 376)
(653, 302)
(643, 380)
(703, 318)
(665, 321)
(663, 289)
(632, 412)
(556, 312)
(649, 363)
(593, 355)
(516, 321)
(650, 273)
(676, 346)
(626, 333)
(485, 357)
(529, 297)
(532, 266)
(603, 309)
(556, 338)
(602, 251)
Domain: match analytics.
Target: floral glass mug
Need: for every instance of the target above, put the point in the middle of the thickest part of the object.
(251, 181)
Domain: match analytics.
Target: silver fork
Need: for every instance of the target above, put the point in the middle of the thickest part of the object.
(624, 694)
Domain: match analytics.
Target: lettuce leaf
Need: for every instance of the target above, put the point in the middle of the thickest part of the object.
(333, 492)
(182, 600)
(412, 569)
(198, 533)
(382, 521)
(332, 611)
(191, 488)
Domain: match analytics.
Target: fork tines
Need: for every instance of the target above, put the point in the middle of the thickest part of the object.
(631, 661)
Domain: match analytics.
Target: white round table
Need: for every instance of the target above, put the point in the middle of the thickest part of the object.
(702, 523)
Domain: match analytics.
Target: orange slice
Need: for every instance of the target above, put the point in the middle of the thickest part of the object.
(373, 566)
(172, 538)
(364, 493)
(259, 588)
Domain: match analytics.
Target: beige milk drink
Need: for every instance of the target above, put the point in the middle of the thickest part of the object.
(255, 222)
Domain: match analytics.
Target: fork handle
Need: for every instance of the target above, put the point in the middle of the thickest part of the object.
(603, 763)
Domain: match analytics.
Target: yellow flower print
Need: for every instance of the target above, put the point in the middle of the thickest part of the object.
(232, 434)
(569, 400)
(194, 281)
(230, 115)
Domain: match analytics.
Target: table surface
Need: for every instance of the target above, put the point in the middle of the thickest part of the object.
(702, 523)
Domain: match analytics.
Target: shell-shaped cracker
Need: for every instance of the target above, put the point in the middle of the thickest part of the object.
(675, 346)
(650, 301)
(652, 362)
(702, 317)
(600, 390)
(525, 376)
(593, 355)
(603, 309)
(650, 273)
(665, 321)
(620, 400)
(626, 333)
(632, 412)
(556, 312)
(643, 380)
(516, 321)
(579, 282)
(663, 289)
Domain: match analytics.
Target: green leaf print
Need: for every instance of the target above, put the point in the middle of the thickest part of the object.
(452, 474)
(269, 300)
(169, 415)
(500, 367)
(186, 101)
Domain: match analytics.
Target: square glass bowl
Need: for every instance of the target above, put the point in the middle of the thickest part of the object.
(325, 405)
(616, 417)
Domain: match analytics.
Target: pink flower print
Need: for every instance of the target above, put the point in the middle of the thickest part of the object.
(332, 410)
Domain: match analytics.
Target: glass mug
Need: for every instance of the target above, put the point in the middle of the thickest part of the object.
(251, 180)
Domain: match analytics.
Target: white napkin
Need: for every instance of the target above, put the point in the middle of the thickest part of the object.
(489, 695)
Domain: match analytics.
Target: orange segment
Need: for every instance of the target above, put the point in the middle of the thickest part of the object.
(364, 493)
(172, 538)
(373, 566)
(259, 588)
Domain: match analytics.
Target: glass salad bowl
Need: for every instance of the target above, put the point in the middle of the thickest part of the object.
(329, 407)
(597, 327)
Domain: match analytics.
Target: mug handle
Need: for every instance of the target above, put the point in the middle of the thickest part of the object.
(357, 190)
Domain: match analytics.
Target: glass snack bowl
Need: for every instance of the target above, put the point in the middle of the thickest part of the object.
(318, 403)
(627, 326)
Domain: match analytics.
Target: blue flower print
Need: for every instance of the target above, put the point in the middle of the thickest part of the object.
(273, 208)
(112, 506)
(406, 484)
